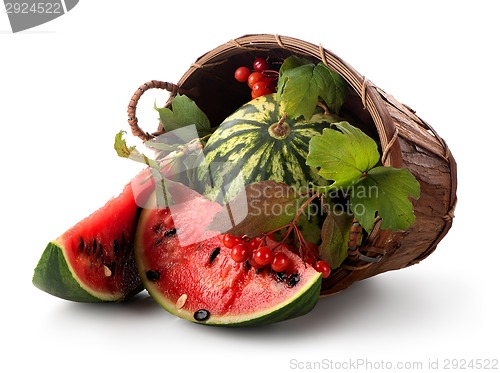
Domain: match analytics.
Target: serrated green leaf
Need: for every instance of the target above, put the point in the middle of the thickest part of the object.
(342, 156)
(334, 238)
(385, 191)
(333, 89)
(301, 84)
(297, 91)
(184, 112)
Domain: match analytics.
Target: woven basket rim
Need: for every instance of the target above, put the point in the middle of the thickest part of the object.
(366, 90)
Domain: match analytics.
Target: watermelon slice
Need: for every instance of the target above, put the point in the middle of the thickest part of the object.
(94, 260)
(191, 274)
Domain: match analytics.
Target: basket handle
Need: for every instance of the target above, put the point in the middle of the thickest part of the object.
(132, 106)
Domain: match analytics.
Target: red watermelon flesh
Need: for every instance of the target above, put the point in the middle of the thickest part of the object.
(94, 260)
(200, 282)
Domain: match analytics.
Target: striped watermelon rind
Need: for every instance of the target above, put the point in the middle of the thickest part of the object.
(243, 150)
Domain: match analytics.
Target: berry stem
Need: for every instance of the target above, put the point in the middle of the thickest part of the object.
(302, 241)
(292, 226)
(303, 206)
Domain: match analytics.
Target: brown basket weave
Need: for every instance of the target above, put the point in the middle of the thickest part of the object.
(406, 141)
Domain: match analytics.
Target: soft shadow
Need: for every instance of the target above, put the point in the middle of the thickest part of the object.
(27, 32)
(331, 314)
(139, 307)
(334, 313)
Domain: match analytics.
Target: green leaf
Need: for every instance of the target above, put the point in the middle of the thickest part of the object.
(385, 191)
(342, 156)
(184, 112)
(301, 84)
(297, 91)
(259, 208)
(333, 89)
(130, 152)
(292, 62)
(334, 238)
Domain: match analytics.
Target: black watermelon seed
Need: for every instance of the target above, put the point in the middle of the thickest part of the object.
(293, 280)
(214, 254)
(201, 315)
(170, 232)
(280, 276)
(94, 246)
(247, 265)
(81, 245)
(153, 275)
(116, 247)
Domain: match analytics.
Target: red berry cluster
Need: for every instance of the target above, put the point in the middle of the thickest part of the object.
(262, 79)
(257, 254)
(260, 255)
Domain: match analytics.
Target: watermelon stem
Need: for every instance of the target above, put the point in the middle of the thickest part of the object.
(280, 129)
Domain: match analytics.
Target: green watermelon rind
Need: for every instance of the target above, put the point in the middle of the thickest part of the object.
(54, 276)
(300, 304)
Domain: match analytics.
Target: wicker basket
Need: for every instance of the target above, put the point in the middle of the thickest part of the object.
(406, 141)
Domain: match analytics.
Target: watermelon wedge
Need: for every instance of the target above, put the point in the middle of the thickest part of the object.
(93, 261)
(191, 274)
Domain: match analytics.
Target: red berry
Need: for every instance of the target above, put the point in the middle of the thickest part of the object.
(280, 262)
(241, 74)
(252, 262)
(263, 256)
(231, 241)
(254, 244)
(260, 64)
(261, 89)
(240, 253)
(256, 77)
(323, 267)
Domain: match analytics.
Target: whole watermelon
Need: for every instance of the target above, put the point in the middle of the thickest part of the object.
(257, 143)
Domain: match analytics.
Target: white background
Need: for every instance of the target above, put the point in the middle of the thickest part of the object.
(64, 89)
